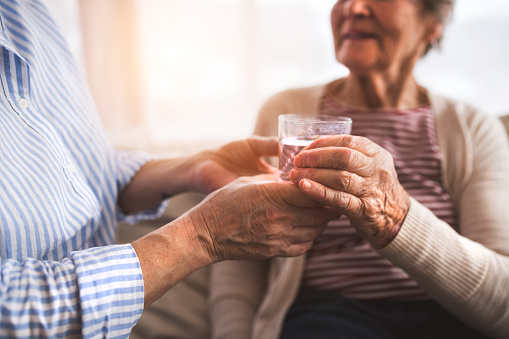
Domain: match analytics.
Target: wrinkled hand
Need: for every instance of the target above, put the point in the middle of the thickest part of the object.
(253, 219)
(357, 178)
(233, 160)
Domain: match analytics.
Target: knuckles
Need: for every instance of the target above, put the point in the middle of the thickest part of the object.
(372, 209)
(339, 199)
(297, 250)
(343, 180)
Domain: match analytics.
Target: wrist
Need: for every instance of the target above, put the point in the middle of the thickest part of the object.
(197, 240)
(197, 173)
(199, 236)
(390, 230)
(387, 237)
(179, 175)
(167, 256)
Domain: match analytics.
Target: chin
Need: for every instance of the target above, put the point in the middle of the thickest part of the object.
(360, 60)
(358, 65)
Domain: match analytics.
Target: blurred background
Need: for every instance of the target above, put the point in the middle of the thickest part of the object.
(179, 76)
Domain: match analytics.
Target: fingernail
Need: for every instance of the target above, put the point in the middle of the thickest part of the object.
(306, 185)
(295, 175)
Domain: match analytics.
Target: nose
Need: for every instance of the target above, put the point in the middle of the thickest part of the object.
(356, 8)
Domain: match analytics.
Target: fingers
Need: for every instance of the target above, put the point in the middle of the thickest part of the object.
(306, 217)
(292, 195)
(251, 219)
(264, 146)
(272, 192)
(296, 239)
(338, 158)
(360, 144)
(346, 203)
(344, 152)
(295, 250)
(336, 179)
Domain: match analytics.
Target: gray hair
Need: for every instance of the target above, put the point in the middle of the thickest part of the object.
(441, 10)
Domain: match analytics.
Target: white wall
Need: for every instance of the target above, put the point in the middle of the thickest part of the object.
(210, 64)
(474, 63)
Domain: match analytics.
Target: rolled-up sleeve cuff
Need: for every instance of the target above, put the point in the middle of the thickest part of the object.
(128, 164)
(111, 290)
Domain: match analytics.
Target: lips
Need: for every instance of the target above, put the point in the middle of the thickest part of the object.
(359, 35)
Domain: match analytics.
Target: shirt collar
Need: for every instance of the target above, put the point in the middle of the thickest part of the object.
(5, 39)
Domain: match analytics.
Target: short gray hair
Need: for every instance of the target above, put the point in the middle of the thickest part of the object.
(441, 10)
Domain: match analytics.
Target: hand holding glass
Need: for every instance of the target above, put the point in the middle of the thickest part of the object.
(296, 132)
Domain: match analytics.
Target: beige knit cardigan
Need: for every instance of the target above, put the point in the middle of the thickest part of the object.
(468, 274)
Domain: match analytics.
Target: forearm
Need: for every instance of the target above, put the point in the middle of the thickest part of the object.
(203, 172)
(156, 181)
(465, 277)
(168, 255)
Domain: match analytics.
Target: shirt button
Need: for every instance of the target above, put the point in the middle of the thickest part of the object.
(23, 103)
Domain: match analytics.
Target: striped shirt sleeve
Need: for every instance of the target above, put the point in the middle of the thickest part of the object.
(93, 293)
(128, 163)
(59, 183)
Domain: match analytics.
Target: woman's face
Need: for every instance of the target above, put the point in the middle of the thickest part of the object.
(379, 35)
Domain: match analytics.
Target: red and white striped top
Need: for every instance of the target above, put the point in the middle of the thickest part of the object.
(342, 261)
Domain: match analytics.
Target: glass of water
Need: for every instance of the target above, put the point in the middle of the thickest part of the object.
(296, 132)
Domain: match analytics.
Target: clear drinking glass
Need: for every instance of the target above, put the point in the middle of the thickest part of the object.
(298, 131)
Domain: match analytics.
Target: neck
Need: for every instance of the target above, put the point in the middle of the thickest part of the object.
(379, 91)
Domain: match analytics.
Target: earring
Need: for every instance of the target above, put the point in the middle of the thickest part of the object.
(435, 44)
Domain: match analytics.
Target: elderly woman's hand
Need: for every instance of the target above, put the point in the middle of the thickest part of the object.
(258, 218)
(356, 177)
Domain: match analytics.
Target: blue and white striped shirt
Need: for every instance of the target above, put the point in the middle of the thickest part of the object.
(59, 181)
